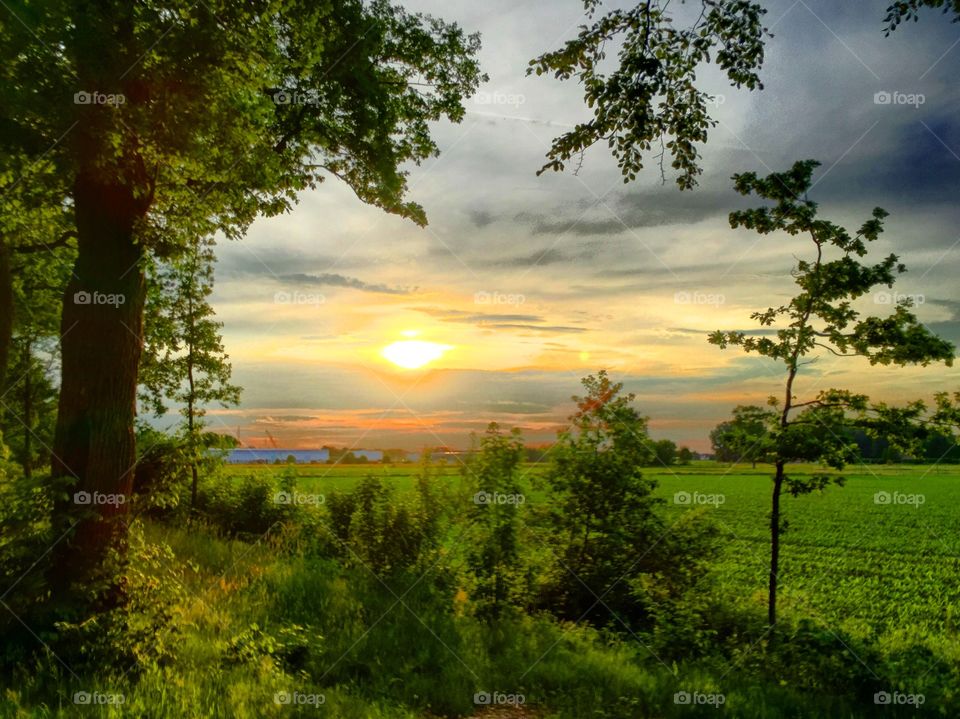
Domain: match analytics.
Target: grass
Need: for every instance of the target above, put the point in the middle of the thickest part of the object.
(255, 620)
(871, 569)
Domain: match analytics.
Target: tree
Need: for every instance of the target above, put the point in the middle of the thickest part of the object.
(666, 452)
(746, 437)
(35, 261)
(492, 474)
(31, 401)
(36, 229)
(821, 317)
(651, 95)
(684, 455)
(184, 360)
(910, 10)
(612, 547)
(194, 118)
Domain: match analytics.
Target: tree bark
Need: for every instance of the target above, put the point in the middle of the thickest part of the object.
(101, 343)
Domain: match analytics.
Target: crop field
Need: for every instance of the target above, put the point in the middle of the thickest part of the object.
(879, 556)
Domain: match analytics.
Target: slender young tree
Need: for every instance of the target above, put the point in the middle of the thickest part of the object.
(821, 317)
(493, 474)
(184, 361)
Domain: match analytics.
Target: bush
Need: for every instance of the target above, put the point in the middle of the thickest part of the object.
(139, 626)
(250, 507)
(373, 528)
(614, 553)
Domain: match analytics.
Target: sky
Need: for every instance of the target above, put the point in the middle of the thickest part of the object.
(529, 283)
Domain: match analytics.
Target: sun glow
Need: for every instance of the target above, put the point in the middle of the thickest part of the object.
(412, 354)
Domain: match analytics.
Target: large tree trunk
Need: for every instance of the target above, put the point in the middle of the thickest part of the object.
(102, 328)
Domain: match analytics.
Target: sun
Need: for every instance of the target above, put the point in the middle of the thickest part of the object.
(412, 354)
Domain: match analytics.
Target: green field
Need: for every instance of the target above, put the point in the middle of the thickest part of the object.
(871, 569)
(272, 610)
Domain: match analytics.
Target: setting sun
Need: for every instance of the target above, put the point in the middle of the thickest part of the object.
(412, 354)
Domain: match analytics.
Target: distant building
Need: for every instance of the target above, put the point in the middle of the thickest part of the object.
(271, 456)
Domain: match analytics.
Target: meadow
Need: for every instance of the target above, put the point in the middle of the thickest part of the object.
(868, 567)
(270, 625)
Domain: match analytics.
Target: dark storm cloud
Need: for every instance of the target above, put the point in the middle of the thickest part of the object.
(948, 329)
(330, 279)
(622, 212)
(538, 328)
(497, 321)
(242, 259)
(449, 315)
(481, 218)
(549, 256)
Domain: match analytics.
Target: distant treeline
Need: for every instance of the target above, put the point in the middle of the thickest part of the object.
(936, 448)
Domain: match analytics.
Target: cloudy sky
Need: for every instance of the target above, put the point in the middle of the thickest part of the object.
(528, 283)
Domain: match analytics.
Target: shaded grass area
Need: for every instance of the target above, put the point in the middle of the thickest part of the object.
(871, 569)
(255, 624)
(260, 621)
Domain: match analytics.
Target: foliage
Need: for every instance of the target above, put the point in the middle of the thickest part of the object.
(249, 508)
(30, 399)
(746, 437)
(613, 553)
(665, 451)
(651, 95)
(141, 629)
(822, 317)
(374, 529)
(184, 360)
(905, 10)
(287, 647)
(494, 557)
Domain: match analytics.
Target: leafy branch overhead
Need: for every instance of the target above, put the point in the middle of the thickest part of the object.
(652, 97)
